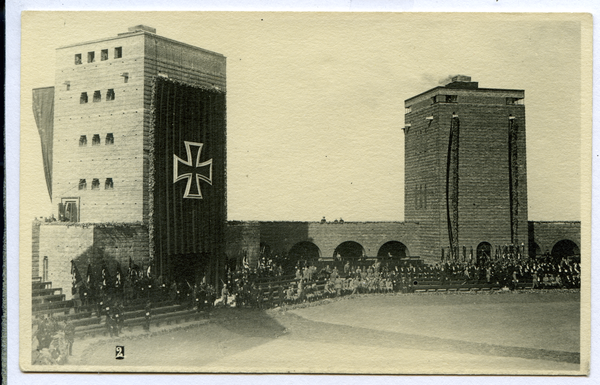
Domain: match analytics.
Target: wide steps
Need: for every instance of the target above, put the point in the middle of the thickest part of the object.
(87, 312)
(46, 292)
(155, 321)
(47, 299)
(39, 285)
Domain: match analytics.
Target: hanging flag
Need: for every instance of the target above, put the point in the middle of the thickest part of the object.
(105, 274)
(119, 275)
(43, 112)
(77, 279)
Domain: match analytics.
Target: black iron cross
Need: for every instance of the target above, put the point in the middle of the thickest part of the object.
(192, 171)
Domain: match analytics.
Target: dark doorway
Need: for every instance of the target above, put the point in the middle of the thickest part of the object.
(535, 250)
(484, 251)
(349, 250)
(306, 251)
(394, 249)
(564, 249)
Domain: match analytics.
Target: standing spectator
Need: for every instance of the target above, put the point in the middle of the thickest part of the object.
(147, 309)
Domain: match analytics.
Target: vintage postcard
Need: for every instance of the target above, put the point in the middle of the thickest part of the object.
(306, 193)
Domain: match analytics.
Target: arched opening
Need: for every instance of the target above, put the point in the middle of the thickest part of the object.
(302, 253)
(349, 250)
(305, 250)
(565, 249)
(393, 249)
(484, 251)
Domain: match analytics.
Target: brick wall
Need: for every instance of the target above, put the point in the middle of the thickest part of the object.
(89, 245)
(35, 250)
(483, 187)
(282, 236)
(61, 244)
(548, 234)
(243, 238)
(121, 117)
(118, 243)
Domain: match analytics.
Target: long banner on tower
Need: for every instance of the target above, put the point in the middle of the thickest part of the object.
(187, 202)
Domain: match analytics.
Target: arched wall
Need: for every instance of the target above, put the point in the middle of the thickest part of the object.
(547, 234)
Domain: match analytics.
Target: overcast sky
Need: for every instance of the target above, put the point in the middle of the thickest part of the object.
(315, 102)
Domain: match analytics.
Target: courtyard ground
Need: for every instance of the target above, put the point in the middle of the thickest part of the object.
(521, 332)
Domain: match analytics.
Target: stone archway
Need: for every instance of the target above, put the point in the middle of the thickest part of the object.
(394, 248)
(484, 251)
(565, 248)
(349, 250)
(305, 250)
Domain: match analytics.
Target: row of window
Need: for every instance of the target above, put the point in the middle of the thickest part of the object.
(454, 99)
(110, 95)
(110, 139)
(91, 56)
(108, 184)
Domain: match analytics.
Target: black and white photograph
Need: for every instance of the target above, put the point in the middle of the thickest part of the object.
(305, 193)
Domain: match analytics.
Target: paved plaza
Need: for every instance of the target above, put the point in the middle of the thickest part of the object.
(506, 332)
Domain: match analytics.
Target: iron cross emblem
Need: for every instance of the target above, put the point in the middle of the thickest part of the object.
(193, 171)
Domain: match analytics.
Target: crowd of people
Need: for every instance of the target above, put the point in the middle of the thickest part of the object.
(267, 282)
(53, 341)
(310, 282)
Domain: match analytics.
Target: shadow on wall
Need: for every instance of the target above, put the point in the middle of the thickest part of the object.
(96, 258)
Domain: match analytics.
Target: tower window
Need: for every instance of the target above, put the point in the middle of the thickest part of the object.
(110, 94)
(82, 141)
(77, 58)
(90, 57)
(108, 184)
(104, 55)
(110, 139)
(95, 184)
(82, 184)
(451, 98)
(125, 77)
(45, 269)
(96, 140)
(67, 85)
(83, 98)
(407, 110)
(118, 52)
(97, 96)
(67, 210)
(514, 101)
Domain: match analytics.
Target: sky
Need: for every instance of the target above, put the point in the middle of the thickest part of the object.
(315, 102)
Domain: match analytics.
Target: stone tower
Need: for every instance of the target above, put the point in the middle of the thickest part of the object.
(102, 118)
(133, 139)
(465, 169)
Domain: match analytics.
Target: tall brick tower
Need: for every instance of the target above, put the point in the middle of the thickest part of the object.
(465, 169)
(136, 140)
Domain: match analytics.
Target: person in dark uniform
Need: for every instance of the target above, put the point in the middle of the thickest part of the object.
(119, 316)
(147, 315)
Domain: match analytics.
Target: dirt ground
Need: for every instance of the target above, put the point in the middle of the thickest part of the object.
(403, 333)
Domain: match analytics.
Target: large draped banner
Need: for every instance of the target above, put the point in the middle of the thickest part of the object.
(452, 170)
(513, 177)
(187, 179)
(43, 111)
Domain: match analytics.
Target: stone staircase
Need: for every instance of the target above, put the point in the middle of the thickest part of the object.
(47, 300)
